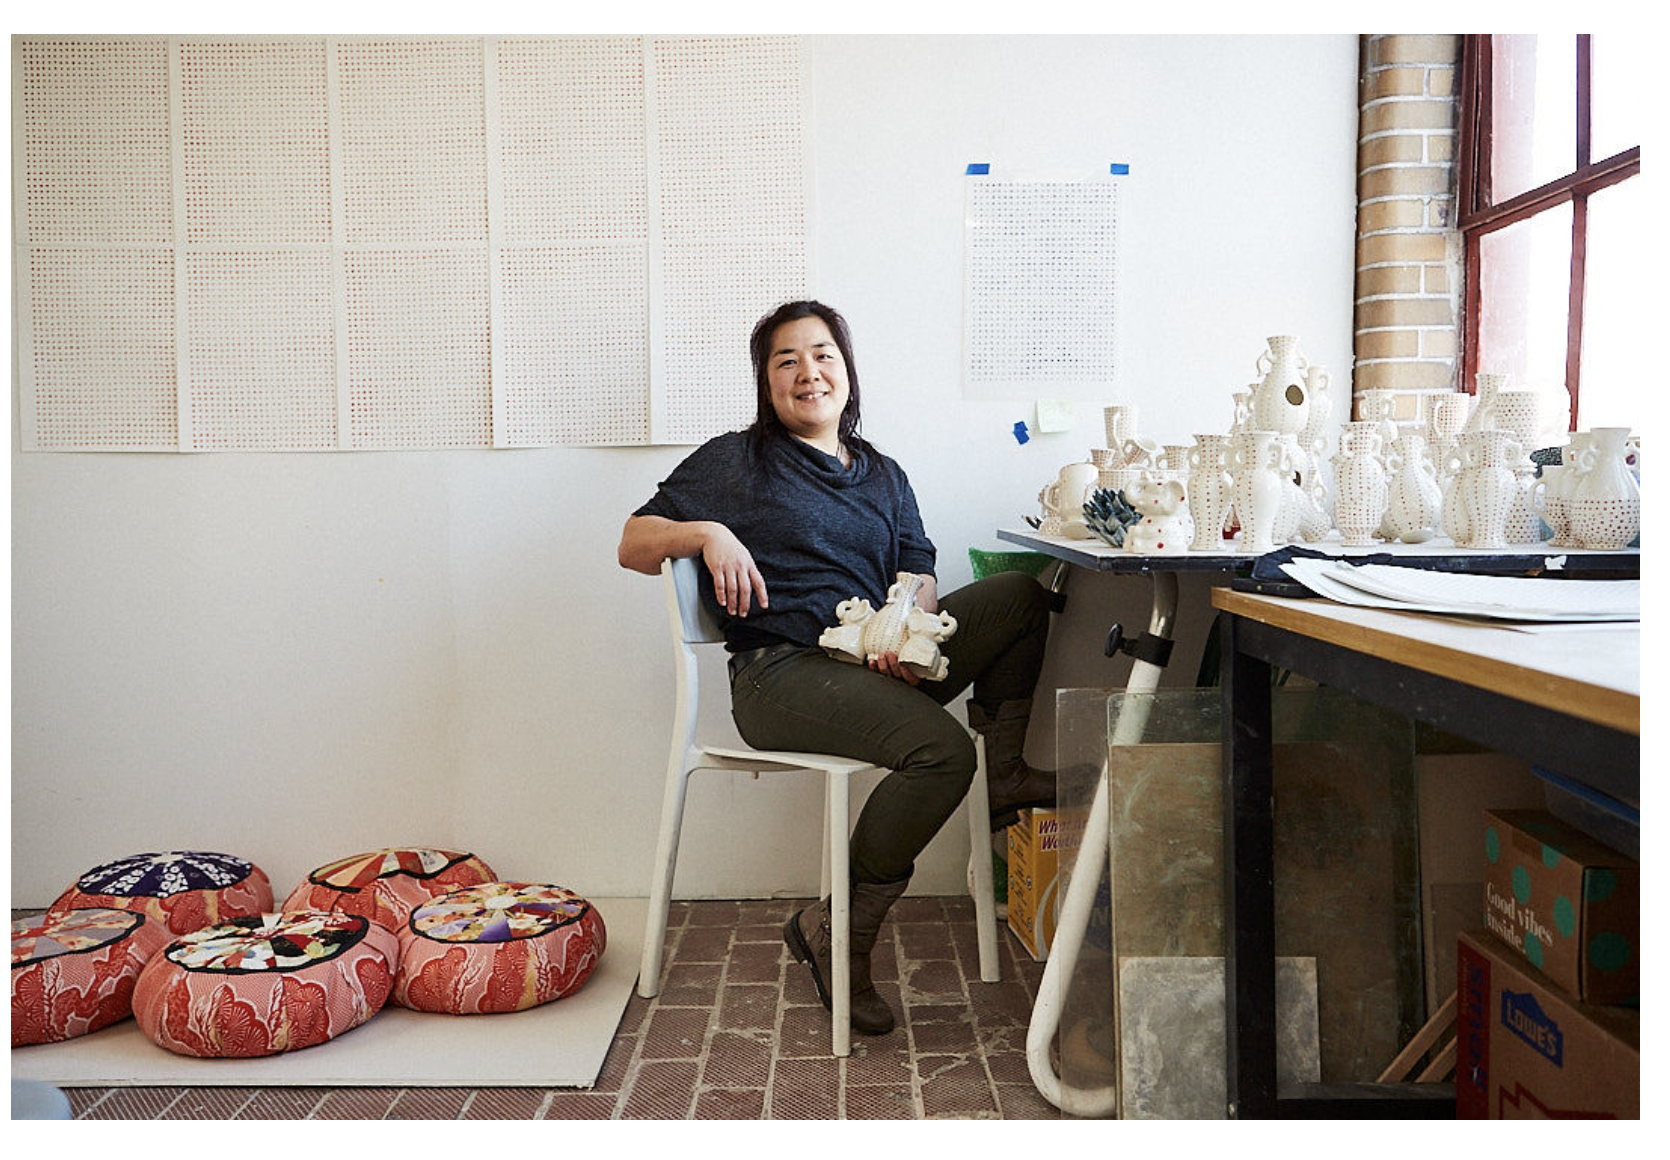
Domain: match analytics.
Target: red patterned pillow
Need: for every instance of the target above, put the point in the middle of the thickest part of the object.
(266, 984)
(184, 890)
(384, 885)
(74, 971)
(505, 946)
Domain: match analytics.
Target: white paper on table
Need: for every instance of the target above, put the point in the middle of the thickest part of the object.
(1498, 597)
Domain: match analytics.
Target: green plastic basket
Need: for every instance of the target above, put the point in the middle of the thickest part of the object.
(987, 563)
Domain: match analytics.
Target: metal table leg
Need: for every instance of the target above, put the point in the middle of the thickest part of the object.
(1093, 856)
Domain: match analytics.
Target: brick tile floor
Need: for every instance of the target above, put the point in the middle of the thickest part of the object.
(736, 1033)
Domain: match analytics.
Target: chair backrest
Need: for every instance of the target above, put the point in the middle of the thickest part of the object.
(692, 621)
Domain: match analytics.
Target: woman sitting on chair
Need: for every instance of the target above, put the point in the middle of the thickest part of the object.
(792, 516)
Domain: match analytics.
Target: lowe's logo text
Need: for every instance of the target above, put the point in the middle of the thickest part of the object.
(1522, 1015)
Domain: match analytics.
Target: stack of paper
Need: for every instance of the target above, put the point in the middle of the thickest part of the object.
(1498, 597)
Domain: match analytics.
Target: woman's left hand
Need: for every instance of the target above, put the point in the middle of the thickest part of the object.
(888, 663)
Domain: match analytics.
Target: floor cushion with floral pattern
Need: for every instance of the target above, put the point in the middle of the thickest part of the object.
(495, 948)
(266, 984)
(384, 885)
(74, 971)
(184, 890)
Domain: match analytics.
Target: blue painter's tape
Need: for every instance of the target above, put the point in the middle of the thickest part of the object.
(978, 168)
(1020, 433)
(1119, 168)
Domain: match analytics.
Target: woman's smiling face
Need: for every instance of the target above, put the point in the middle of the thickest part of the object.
(808, 379)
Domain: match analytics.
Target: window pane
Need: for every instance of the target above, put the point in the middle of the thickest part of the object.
(1615, 297)
(1524, 292)
(1617, 93)
(1534, 112)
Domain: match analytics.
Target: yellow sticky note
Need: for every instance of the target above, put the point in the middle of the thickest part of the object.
(1055, 414)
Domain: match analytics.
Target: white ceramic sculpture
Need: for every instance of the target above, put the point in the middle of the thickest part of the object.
(1281, 401)
(1257, 463)
(899, 626)
(1360, 483)
(1165, 528)
(1604, 504)
(1414, 503)
(1481, 493)
(1210, 489)
(1063, 501)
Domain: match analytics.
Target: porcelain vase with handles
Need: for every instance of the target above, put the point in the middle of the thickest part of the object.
(1210, 491)
(1414, 504)
(1257, 463)
(1556, 496)
(1281, 401)
(1481, 495)
(1605, 502)
(1120, 423)
(1360, 489)
(1486, 384)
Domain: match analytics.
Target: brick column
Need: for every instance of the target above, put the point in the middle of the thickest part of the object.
(1407, 328)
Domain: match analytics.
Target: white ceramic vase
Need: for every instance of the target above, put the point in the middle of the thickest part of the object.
(1414, 504)
(1481, 495)
(1211, 491)
(1360, 491)
(1486, 384)
(1281, 401)
(1257, 462)
(1120, 423)
(1524, 524)
(1605, 501)
(1063, 501)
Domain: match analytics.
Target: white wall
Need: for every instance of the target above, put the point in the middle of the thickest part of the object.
(297, 657)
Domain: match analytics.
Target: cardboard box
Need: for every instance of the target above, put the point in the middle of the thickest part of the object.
(1526, 1050)
(1571, 905)
(1035, 845)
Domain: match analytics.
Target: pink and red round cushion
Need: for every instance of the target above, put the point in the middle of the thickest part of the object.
(266, 984)
(384, 885)
(184, 890)
(500, 947)
(74, 971)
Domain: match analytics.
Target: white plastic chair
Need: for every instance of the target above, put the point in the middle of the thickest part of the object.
(692, 625)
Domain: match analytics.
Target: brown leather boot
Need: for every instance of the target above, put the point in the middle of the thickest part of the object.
(809, 939)
(1012, 783)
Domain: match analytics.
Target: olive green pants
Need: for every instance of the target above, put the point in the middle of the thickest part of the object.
(801, 698)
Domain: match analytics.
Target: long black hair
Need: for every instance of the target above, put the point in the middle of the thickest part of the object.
(766, 425)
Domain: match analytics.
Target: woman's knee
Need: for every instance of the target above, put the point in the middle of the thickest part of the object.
(944, 753)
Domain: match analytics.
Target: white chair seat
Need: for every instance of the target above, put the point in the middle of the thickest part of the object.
(692, 625)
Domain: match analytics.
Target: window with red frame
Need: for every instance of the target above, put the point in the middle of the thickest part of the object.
(1551, 211)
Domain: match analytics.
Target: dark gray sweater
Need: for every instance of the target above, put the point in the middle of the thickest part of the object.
(820, 534)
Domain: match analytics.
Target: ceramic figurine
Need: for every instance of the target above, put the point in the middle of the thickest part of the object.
(1165, 528)
(899, 626)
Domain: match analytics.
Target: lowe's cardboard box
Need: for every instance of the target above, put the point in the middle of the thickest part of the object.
(1036, 842)
(1571, 905)
(1527, 1050)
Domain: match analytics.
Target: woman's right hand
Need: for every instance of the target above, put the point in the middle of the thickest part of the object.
(737, 583)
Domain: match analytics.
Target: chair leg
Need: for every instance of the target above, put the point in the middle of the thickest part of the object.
(838, 843)
(980, 865)
(661, 886)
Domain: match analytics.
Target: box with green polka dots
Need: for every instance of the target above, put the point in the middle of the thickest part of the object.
(1566, 902)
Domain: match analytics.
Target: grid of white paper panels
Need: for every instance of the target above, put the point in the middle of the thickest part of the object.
(382, 242)
(732, 198)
